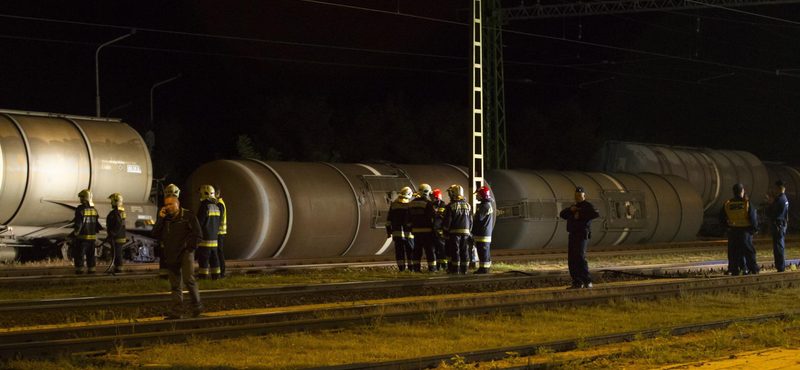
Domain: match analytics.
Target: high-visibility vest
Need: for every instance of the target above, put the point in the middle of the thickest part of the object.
(223, 225)
(738, 212)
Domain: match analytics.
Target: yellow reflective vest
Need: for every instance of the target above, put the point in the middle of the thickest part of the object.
(738, 212)
(223, 225)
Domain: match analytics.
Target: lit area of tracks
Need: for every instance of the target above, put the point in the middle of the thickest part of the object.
(52, 342)
(37, 274)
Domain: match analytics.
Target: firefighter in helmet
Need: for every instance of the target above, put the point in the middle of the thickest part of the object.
(421, 214)
(739, 215)
(398, 227)
(208, 214)
(86, 224)
(170, 190)
(115, 227)
(482, 229)
(456, 228)
(438, 238)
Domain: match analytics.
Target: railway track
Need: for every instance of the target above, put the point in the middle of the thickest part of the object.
(34, 275)
(352, 290)
(101, 338)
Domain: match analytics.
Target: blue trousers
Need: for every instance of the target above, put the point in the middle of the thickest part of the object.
(483, 254)
(84, 249)
(458, 250)
(404, 251)
(740, 246)
(778, 247)
(576, 258)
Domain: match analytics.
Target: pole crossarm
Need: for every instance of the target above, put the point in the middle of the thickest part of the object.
(539, 11)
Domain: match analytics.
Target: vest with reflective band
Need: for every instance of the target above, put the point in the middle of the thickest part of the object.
(88, 227)
(738, 213)
(223, 224)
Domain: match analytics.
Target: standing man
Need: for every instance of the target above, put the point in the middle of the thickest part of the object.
(740, 217)
(398, 227)
(438, 238)
(115, 228)
(482, 229)
(422, 213)
(223, 230)
(208, 215)
(456, 227)
(777, 212)
(579, 218)
(86, 225)
(178, 231)
(171, 190)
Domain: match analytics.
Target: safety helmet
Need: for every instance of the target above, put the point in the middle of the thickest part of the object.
(405, 192)
(172, 190)
(455, 192)
(484, 193)
(86, 197)
(424, 190)
(436, 194)
(116, 199)
(206, 191)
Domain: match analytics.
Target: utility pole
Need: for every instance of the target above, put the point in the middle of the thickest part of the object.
(477, 164)
(97, 67)
(154, 87)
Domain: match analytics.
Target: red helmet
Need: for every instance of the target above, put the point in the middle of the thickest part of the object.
(484, 192)
(436, 193)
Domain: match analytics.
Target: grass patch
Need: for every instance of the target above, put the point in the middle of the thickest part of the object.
(392, 341)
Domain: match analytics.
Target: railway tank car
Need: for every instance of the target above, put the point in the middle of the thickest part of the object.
(312, 210)
(47, 159)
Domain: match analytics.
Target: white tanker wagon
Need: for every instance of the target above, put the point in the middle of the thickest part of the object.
(47, 159)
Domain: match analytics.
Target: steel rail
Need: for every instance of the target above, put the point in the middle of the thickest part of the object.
(34, 275)
(496, 281)
(35, 344)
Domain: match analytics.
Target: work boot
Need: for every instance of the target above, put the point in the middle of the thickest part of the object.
(197, 313)
(214, 276)
(481, 271)
(588, 286)
(463, 270)
(575, 286)
(79, 272)
(117, 270)
(91, 272)
(401, 268)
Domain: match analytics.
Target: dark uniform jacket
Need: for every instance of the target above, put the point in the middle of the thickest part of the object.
(779, 210)
(438, 218)
(421, 214)
(457, 218)
(751, 216)
(586, 213)
(482, 222)
(398, 222)
(178, 234)
(208, 215)
(86, 223)
(115, 225)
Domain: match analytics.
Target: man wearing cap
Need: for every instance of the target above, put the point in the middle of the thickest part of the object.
(777, 212)
(740, 217)
(579, 218)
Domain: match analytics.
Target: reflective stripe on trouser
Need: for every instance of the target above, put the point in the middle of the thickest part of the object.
(458, 251)
(484, 255)
(424, 242)
(116, 249)
(778, 247)
(207, 243)
(221, 254)
(576, 258)
(207, 259)
(183, 280)
(403, 251)
(83, 250)
(439, 246)
(740, 243)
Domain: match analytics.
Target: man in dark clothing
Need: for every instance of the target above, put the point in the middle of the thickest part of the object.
(398, 227)
(438, 238)
(456, 227)
(86, 225)
(421, 215)
(778, 212)
(163, 273)
(115, 228)
(482, 229)
(740, 217)
(179, 232)
(579, 218)
(209, 217)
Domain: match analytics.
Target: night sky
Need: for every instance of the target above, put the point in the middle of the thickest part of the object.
(393, 87)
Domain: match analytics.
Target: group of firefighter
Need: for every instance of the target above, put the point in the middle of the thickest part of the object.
(421, 222)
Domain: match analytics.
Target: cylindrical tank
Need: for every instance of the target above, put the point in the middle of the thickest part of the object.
(790, 174)
(634, 209)
(46, 159)
(712, 173)
(305, 210)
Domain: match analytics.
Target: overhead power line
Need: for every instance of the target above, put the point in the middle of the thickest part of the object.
(385, 12)
(744, 12)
